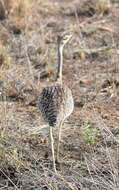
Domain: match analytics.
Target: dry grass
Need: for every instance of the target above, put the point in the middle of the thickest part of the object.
(103, 6)
(16, 8)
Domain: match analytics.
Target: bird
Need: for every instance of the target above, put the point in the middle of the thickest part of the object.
(56, 100)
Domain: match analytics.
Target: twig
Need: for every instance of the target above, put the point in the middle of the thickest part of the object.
(9, 179)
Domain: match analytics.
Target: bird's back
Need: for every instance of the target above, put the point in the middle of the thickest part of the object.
(56, 103)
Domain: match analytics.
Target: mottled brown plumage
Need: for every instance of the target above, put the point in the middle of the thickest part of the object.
(56, 101)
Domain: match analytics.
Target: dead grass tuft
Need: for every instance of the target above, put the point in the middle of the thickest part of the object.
(103, 6)
(5, 60)
(16, 8)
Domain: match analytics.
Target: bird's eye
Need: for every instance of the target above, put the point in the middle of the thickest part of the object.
(66, 38)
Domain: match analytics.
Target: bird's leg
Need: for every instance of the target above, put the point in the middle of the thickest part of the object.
(58, 142)
(52, 148)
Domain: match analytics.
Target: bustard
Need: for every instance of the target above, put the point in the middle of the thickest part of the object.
(56, 101)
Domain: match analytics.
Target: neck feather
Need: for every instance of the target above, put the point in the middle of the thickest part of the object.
(60, 64)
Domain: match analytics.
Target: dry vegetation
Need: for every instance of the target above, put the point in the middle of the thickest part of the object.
(90, 144)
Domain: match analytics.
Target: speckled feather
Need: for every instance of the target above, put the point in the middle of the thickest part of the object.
(55, 102)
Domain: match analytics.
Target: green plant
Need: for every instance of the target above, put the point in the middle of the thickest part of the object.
(89, 133)
(10, 155)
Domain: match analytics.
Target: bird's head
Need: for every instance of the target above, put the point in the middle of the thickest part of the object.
(62, 40)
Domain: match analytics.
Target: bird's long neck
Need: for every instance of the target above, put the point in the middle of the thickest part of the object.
(60, 64)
